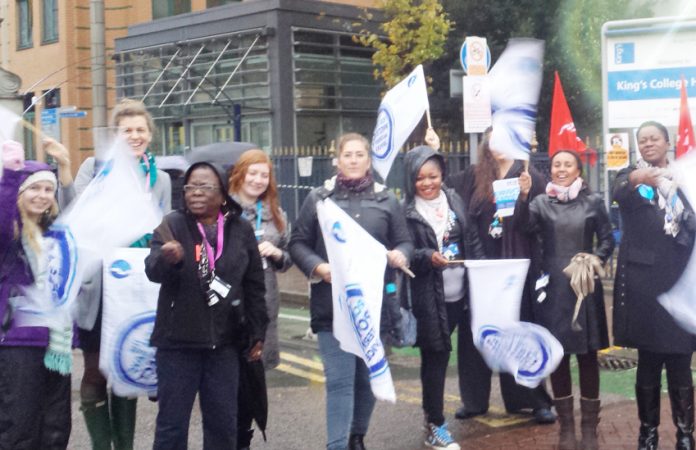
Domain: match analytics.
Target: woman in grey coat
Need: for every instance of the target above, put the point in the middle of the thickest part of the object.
(116, 423)
(252, 184)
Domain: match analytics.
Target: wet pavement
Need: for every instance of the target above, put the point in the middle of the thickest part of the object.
(297, 409)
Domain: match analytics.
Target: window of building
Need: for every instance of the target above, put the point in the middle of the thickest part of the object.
(211, 3)
(334, 88)
(24, 24)
(49, 17)
(166, 8)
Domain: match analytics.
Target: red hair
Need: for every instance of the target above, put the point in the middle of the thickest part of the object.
(270, 196)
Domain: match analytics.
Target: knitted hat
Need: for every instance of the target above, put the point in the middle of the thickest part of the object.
(35, 171)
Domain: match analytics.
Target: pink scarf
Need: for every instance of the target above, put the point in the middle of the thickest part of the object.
(564, 193)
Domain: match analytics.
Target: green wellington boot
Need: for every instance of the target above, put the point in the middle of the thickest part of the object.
(98, 424)
(123, 422)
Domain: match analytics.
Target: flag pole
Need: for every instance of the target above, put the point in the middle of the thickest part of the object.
(427, 116)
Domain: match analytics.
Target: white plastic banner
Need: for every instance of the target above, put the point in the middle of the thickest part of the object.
(128, 317)
(357, 264)
(680, 301)
(515, 84)
(401, 110)
(527, 351)
(113, 211)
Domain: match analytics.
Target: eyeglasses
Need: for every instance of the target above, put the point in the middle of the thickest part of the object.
(205, 188)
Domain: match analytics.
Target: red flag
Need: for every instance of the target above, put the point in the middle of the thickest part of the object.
(562, 135)
(685, 134)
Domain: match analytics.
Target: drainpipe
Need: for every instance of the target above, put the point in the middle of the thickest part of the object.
(97, 35)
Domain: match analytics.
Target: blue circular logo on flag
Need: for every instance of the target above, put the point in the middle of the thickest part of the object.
(525, 345)
(61, 264)
(120, 269)
(337, 232)
(383, 138)
(134, 358)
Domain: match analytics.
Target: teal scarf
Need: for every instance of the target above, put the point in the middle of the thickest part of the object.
(147, 163)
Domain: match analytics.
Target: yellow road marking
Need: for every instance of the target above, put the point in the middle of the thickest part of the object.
(302, 361)
(301, 373)
(610, 349)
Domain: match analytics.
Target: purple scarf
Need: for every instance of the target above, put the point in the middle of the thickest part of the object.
(354, 184)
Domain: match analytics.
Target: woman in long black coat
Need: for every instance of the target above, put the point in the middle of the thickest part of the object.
(475, 186)
(651, 260)
(568, 220)
(441, 233)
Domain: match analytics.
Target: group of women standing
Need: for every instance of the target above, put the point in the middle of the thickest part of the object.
(217, 256)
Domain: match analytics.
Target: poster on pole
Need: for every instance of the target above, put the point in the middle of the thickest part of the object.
(477, 103)
(617, 154)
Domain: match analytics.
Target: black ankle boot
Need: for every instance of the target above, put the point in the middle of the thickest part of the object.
(682, 400)
(355, 442)
(648, 399)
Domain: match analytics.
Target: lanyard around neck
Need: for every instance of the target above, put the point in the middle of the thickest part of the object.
(259, 208)
(220, 241)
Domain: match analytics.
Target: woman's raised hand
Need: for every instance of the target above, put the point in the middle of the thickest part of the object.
(525, 181)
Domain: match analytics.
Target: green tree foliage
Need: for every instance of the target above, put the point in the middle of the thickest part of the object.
(415, 32)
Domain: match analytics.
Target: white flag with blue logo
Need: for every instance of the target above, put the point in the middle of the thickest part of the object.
(357, 263)
(401, 110)
(113, 211)
(128, 317)
(515, 84)
(527, 351)
(680, 300)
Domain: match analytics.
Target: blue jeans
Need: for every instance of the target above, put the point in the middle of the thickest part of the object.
(214, 375)
(349, 399)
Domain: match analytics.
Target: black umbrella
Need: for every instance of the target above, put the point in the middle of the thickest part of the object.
(222, 154)
(252, 391)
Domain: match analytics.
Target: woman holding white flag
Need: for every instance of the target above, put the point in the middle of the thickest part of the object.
(349, 399)
(35, 362)
(112, 419)
(657, 241)
(500, 241)
(568, 219)
(442, 238)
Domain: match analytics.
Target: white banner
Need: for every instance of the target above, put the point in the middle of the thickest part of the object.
(128, 317)
(113, 211)
(515, 83)
(357, 264)
(680, 301)
(399, 113)
(527, 351)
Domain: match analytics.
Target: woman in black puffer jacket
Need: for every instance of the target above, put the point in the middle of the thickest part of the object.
(441, 233)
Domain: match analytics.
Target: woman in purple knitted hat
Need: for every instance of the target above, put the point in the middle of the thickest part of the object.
(35, 362)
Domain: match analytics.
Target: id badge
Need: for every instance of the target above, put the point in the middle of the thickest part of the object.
(451, 251)
(259, 234)
(220, 286)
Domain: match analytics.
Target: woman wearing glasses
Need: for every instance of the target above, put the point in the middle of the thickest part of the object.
(210, 308)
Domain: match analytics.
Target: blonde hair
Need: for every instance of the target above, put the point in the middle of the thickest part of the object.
(129, 107)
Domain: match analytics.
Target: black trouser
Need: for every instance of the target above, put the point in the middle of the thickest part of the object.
(34, 402)
(475, 378)
(650, 365)
(213, 375)
(433, 370)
